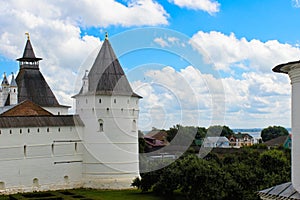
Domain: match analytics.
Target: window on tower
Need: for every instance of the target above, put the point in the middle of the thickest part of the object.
(134, 125)
(101, 125)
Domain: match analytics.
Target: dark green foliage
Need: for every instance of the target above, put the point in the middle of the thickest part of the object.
(142, 143)
(219, 130)
(231, 176)
(273, 132)
(172, 132)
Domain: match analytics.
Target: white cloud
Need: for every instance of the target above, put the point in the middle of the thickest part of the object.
(226, 51)
(169, 42)
(296, 3)
(187, 97)
(209, 6)
(160, 41)
(55, 32)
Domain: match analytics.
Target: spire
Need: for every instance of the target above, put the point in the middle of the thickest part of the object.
(4, 81)
(106, 75)
(31, 82)
(13, 81)
(28, 54)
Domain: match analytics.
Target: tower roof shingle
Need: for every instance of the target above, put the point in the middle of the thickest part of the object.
(106, 76)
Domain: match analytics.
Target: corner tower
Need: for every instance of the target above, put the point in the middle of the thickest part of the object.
(109, 109)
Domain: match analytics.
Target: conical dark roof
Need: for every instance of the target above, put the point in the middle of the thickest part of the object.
(4, 81)
(106, 76)
(28, 54)
(13, 81)
(33, 86)
(31, 83)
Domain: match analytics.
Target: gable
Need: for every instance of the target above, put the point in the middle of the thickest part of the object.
(26, 108)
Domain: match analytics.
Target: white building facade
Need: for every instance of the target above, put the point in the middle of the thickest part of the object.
(44, 148)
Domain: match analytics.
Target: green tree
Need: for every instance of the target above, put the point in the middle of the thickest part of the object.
(273, 132)
(218, 130)
(142, 143)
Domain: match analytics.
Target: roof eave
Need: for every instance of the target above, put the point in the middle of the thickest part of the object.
(280, 68)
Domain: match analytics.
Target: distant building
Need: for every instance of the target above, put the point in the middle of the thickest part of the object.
(153, 144)
(240, 140)
(160, 135)
(216, 142)
(284, 141)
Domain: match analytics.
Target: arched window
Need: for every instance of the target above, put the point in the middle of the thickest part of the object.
(76, 147)
(66, 179)
(52, 148)
(35, 182)
(25, 150)
(101, 125)
(134, 125)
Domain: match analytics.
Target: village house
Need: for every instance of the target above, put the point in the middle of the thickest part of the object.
(240, 140)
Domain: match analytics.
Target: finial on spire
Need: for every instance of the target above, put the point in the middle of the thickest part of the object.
(106, 35)
(28, 37)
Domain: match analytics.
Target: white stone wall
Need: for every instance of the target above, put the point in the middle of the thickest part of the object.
(294, 73)
(57, 110)
(111, 151)
(40, 158)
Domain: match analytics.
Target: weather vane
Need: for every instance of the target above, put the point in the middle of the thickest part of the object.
(28, 37)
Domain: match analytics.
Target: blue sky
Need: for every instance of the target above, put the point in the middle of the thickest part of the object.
(195, 62)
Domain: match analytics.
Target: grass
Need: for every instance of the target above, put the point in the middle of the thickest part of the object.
(81, 194)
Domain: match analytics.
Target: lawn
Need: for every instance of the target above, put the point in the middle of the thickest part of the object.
(88, 194)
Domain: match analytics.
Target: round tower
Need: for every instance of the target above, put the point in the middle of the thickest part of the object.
(293, 70)
(109, 109)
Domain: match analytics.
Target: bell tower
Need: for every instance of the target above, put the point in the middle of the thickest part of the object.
(32, 84)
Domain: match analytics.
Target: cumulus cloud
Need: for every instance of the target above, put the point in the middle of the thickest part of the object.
(209, 6)
(226, 51)
(186, 97)
(55, 29)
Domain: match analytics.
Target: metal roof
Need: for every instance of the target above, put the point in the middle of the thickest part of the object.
(13, 81)
(283, 191)
(31, 83)
(282, 68)
(4, 81)
(33, 86)
(40, 121)
(26, 108)
(28, 54)
(106, 76)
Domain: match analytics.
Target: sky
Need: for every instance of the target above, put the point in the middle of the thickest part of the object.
(195, 62)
